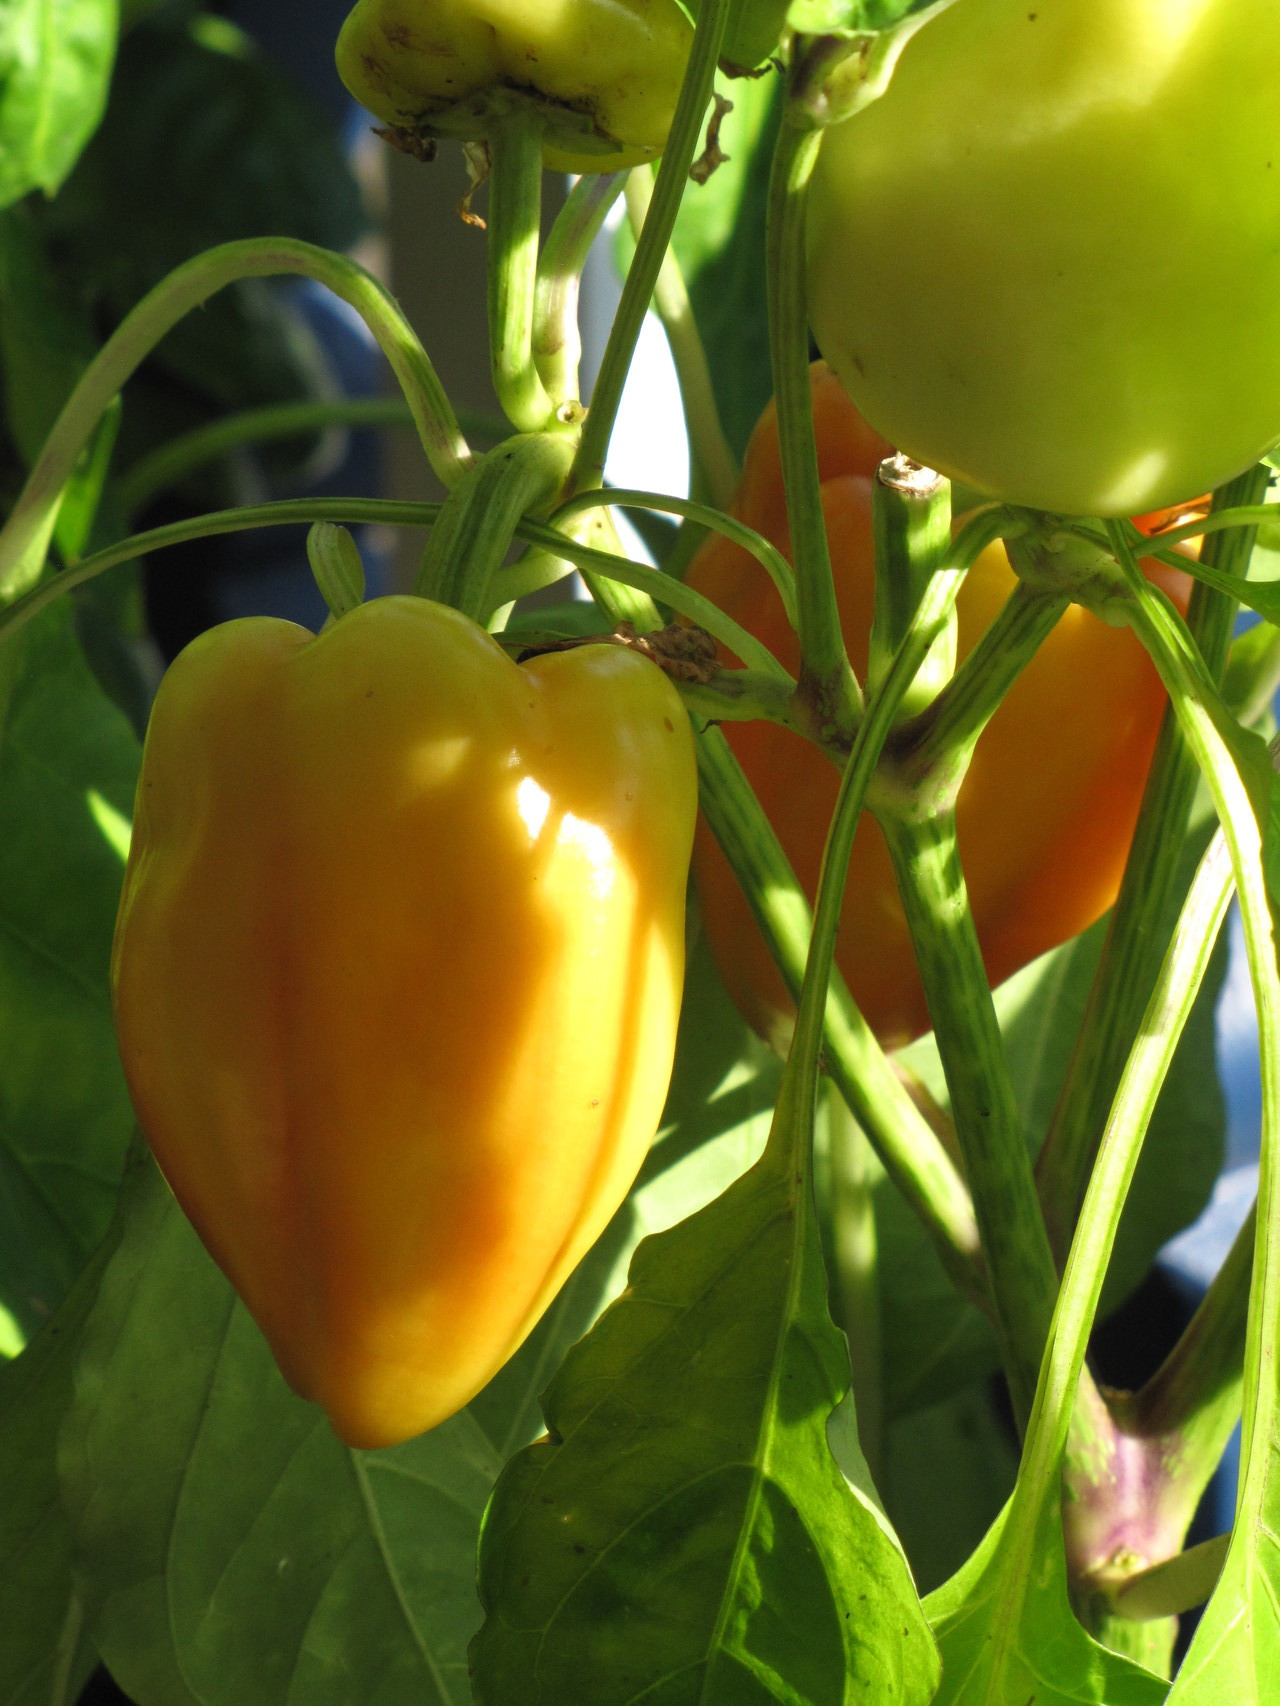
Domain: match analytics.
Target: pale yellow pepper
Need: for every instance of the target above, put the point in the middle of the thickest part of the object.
(605, 74)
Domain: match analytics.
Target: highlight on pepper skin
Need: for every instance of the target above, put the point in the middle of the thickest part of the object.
(397, 975)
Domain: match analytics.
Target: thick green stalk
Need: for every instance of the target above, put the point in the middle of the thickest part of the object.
(825, 676)
(481, 513)
(1024, 1281)
(1139, 928)
(907, 1145)
(514, 232)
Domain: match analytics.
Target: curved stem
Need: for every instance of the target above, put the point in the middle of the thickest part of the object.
(715, 461)
(169, 463)
(514, 231)
(557, 345)
(642, 275)
(825, 670)
(25, 537)
(287, 513)
(507, 585)
(1063, 1369)
(768, 556)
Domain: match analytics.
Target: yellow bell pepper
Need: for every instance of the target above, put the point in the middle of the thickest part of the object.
(397, 972)
(605, 74)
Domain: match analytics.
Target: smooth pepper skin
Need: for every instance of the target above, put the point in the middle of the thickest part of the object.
(1046, 814)
(397, 973)
(605, 74)
(1045, 261)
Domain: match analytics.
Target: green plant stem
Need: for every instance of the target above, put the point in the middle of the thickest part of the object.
(1139, 926)
(1135, 1499)
(798, 1094)
(25, 537)
(1024, 1281)
(1192, 1403)
(557, 345)
(768, 556)
(826, 676)
(1202, 717)
(642, 275)
(1063, 1377)
(767, 691)
(715, 462)
(170, 463)
(939, 743)
(514, 232)
(481, 513)
(907, 1145)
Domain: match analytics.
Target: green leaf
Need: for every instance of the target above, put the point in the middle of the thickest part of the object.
(683, 1533)
(55, 65)
(256, 1559)
(1008, 1635)
(949, 1470)
(204, 143)
(44, 1659)
(46, 342)
(719, 242)
(68, 768)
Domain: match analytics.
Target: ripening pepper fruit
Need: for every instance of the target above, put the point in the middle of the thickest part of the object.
(1046, 813)
(1044, 262)
(603, 74)
(397, 972)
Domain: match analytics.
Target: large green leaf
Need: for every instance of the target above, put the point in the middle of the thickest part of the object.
(255, 1559)
(683, 1533)
(44, 1656)
(55, 65)
(68, 767)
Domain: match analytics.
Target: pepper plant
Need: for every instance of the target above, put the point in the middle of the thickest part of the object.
(815, 1417)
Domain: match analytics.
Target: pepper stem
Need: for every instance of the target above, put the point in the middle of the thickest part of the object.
(515, 229)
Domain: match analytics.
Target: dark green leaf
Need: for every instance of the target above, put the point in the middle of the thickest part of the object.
(68, 767)
(949, 1470)
(44, 1658)
(55, 64)
(204, 143)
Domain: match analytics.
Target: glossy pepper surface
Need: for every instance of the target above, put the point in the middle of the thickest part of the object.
(604, 74)
(1044, 262)
(397, 973)
(1046, 813)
